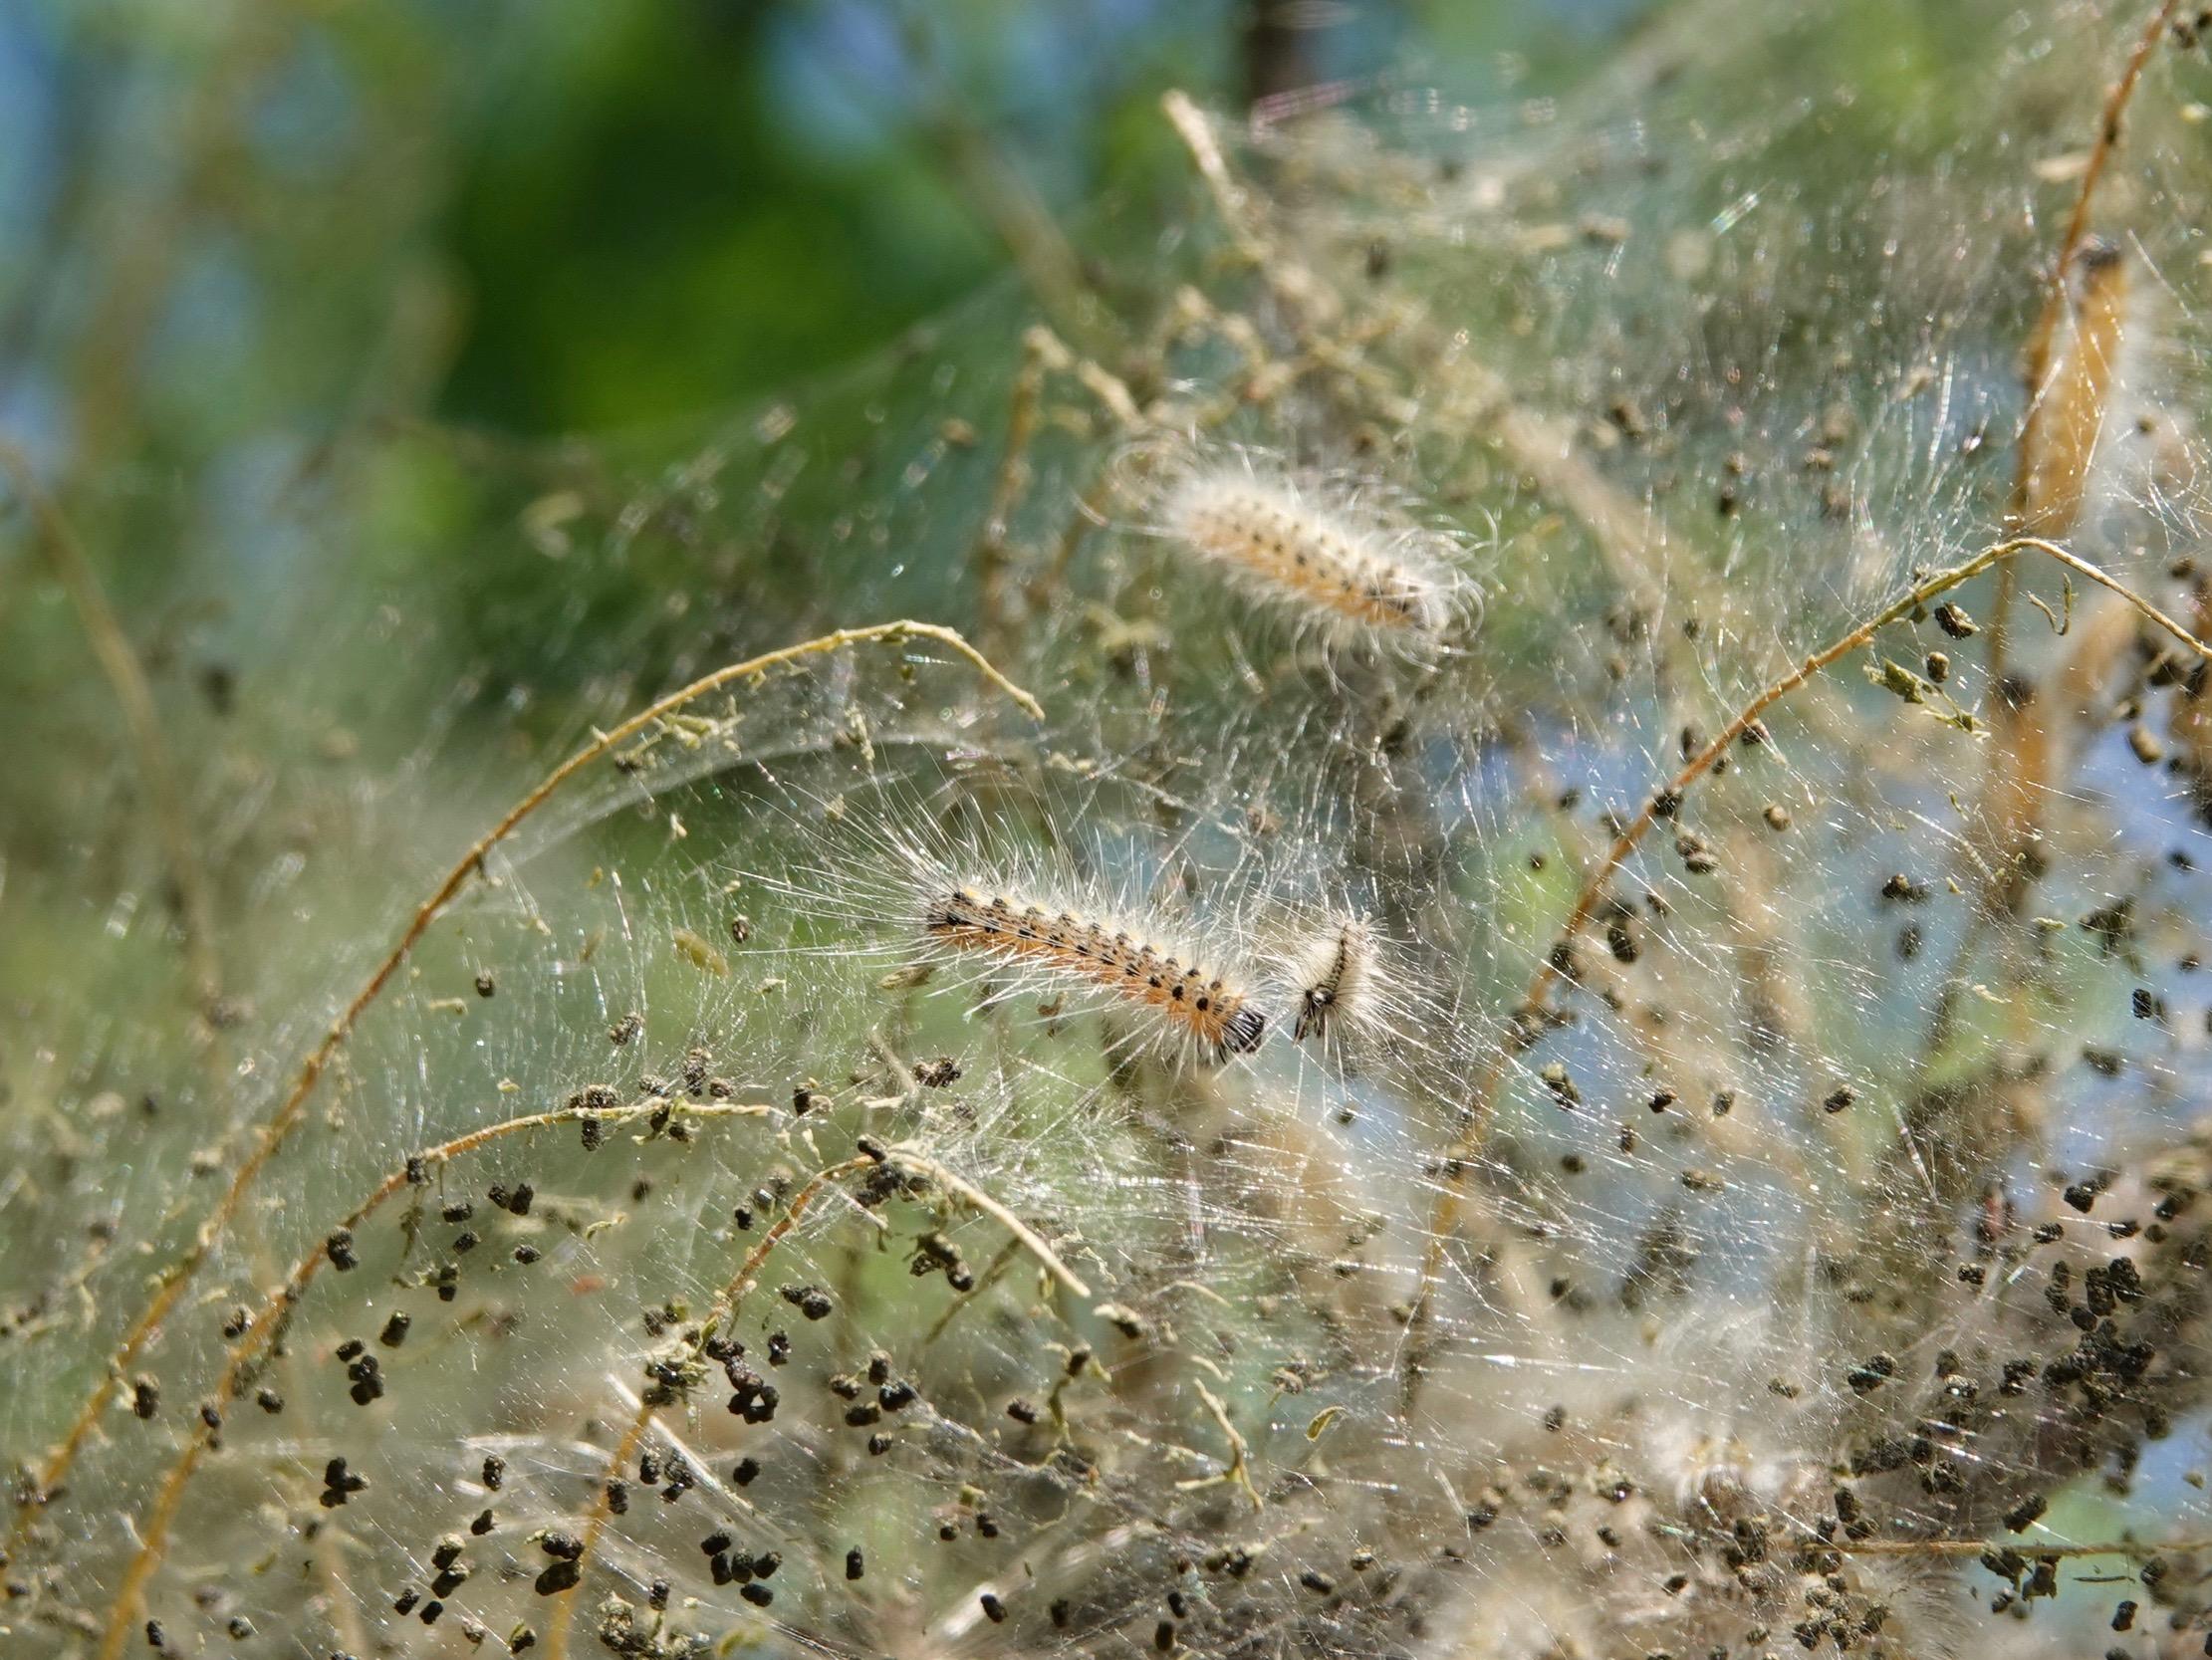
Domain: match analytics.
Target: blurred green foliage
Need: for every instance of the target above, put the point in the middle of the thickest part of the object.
(598, 213)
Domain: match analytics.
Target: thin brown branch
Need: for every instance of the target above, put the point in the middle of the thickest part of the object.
(2104, 579)
(2037, 359)
(2067, 397)
(2066, 421)
(914, 1159)
(2117, 100)
(998, 192)
(119, 663)
(1238, 1471)
(1447, 1214)
(595, 1524)
(291, 1112)
(1102, 382)
(244, 1356)
(1196, 132)
(724, 1306)
(992, 1270)
(993, 593)
(2134, 1549)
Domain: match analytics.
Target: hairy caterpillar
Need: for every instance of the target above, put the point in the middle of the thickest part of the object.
(1346, 988)
(1199, 1009)
(1336, 980)
(981, 907)
(1357, 574)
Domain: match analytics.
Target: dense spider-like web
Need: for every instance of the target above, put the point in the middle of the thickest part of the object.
(1764, 1210)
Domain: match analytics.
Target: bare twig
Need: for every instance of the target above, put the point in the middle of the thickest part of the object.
(993, 594)
(1445, 1216)
(992, 1270)
(1102, 384)
(2036, 361)
(998, 190)
(2067, 402)
(119, 663)
(914, 1159)
(725, 1305)
(1196, 132)
(2135, 1549)
(1239, 1469)
(2117, 100)
(245, 1354)
(278, 1128)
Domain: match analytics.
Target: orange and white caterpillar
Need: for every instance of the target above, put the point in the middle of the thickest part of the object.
(1198, 1010)
(984, 908)
(1355, 573)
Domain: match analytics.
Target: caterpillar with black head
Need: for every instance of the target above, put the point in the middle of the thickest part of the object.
(1361, 576)
(1200, 1010)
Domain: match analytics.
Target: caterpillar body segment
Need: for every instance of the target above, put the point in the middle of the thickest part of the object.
(1336, 981)
(1203, 1010)
(1362, 579)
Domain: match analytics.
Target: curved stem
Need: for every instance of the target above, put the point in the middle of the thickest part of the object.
(968, 1192)
(293, 1111)
(2036, 364)
(1445, 1216)
(276, 1310)
(119, 663)
(633, 1434)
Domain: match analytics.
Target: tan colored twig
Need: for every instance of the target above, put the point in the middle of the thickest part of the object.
(724, 1306)
(1102, 382)
(992, 1270)
(2117, 100)
(2037, 359)
(595, 1524)
(912, 1158)
(1238, 1471)
(245, 1354)
(1447, 1214)
(2136, 1548)
(2066, 403)
(993, 599)
(289, 1115)
(119, 663)
(1000, 193)
(1229, 200)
